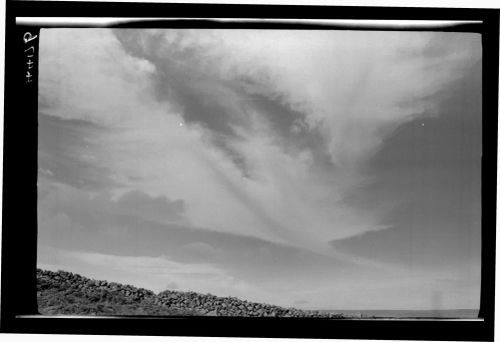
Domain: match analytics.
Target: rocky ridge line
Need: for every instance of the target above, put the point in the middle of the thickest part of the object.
(68, 293)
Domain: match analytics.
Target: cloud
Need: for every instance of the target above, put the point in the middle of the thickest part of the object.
(356, 85)
(85, 208)
(89, 235)
(152, 208)
(427, 190)
(90, 75)
(405, 289)
(153, 273)
(68, 152)
(202, 250)
(75, 219)
(225, 161)
(192, 116)
(154, 270)
(86, 221)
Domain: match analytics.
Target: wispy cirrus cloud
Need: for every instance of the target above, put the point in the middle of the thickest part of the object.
(181, 108)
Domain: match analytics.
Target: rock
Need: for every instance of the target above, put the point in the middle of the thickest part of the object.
(100, 291)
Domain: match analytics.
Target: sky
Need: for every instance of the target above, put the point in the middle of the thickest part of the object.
(316, 169)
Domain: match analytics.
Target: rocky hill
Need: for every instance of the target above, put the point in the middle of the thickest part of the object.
(66, 293)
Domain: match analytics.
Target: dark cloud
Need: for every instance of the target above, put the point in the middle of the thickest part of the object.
(84, 223)
(202, 97)
(214, 104)
(95, 212)
(293, 135)
(208, 107)
(68, 153)
(427, 180)
(221, 106)
(153, 208)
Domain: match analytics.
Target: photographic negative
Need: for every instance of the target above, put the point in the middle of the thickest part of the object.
(252, 171)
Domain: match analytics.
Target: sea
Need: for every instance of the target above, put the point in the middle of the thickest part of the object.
(412, 314)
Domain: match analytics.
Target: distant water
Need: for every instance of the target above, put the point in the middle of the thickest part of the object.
(461, 313)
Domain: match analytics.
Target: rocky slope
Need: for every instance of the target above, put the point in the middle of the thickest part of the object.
(71, 294)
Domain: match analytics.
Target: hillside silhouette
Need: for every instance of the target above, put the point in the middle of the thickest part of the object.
(66, 293)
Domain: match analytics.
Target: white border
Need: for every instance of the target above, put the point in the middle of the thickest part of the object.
(104, 21)
(492, 4)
